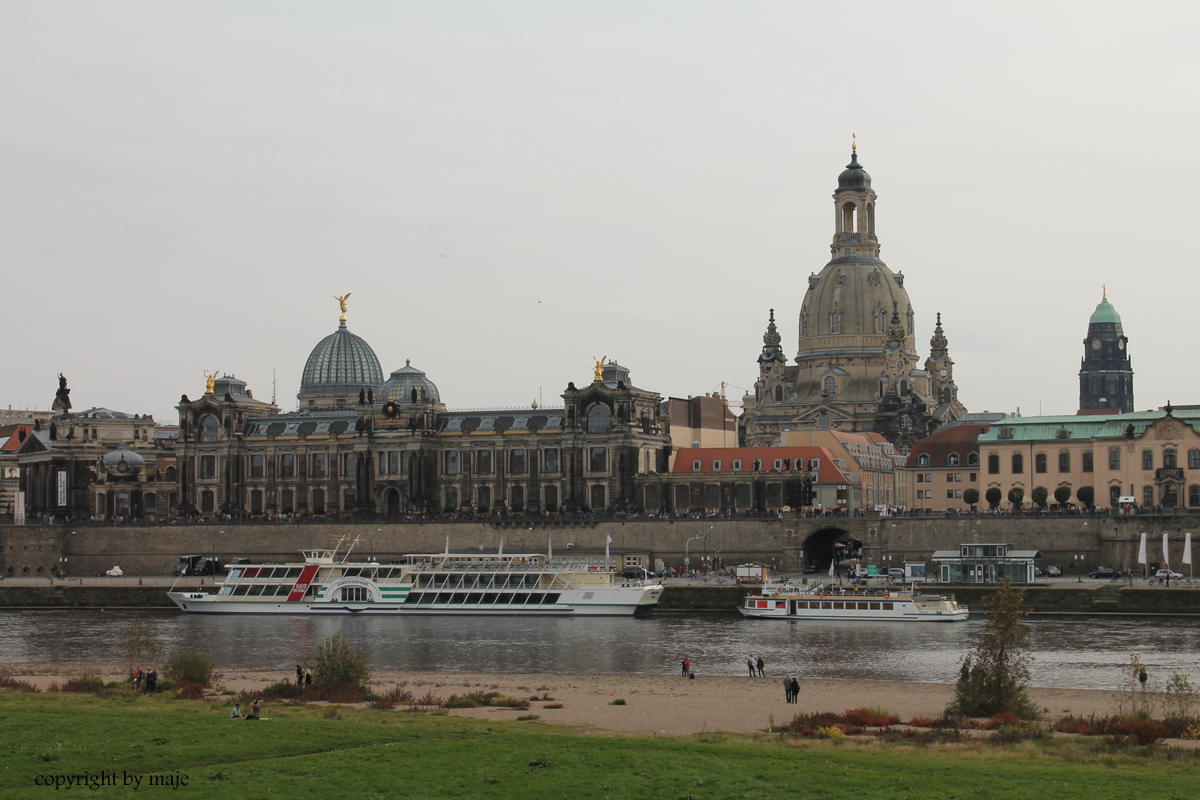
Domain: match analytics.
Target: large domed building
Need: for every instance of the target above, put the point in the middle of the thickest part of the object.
(856, 366)
(340, 367)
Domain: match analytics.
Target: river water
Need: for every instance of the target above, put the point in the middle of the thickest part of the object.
(1070, 652)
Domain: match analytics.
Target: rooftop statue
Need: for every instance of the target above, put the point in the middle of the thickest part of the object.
(600, 368)
(212, 379)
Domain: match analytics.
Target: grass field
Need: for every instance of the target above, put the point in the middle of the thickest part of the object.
(300, 752)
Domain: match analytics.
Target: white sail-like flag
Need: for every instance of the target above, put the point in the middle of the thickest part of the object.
(549, 547)
(447, 544)
(607, 542)
(1166, 552)
(1142, 557)
(831, 568)
(501, 546)
(1187, 548)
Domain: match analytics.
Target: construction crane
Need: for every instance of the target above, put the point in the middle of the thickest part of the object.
(734, 403)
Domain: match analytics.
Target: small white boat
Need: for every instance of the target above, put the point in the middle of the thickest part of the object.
(827, 602)
(521, 584)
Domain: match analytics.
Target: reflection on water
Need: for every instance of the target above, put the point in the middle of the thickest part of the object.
(1083, 652)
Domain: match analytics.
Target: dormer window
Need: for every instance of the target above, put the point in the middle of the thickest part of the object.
(952, 460)
(737, 465)
(696, 465)
(923, 460)
(830, 386)
(716, 466)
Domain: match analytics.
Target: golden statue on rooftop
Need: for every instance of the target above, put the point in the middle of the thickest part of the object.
(600, 368)
(342, 302)
(212, 380)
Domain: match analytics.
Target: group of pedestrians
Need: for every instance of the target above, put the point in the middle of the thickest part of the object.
(147, 677)
(756, 668)
(303, 677)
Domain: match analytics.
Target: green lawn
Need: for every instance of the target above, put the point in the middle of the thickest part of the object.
(298, 753)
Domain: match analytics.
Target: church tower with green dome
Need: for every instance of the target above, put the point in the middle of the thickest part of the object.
(856, 366)
(1105, 371)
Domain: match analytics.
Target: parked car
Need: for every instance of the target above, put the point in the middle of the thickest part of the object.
(895, 574)
(115, 572)
(812, 569)
(1166, 574)
(1053, 571)
(1106, 572)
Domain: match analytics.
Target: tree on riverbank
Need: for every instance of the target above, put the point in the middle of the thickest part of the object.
(142, 643)
(341, 665)
(995, 675)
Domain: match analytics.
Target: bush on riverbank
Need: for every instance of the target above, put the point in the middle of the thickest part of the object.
(190, 666)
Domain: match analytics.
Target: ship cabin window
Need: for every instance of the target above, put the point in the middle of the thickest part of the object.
(355, 594)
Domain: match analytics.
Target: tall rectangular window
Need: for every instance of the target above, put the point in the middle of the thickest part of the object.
(452, 462)
(1018, 463)
(320, 467)
(483, 464)
(516, 462)
(1086, 460)
(1114, 458)
(550, 460)
(257, 466)
(1148, 461)
(393, 462)
(1064, 462)
(599, 459)
(287, 465)
(349, 465)
(208, 466)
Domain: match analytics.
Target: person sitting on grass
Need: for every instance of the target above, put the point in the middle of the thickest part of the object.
(236, 713)
(255, 710)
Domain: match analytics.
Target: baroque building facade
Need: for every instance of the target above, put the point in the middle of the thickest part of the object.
(363, 445)
(856, 366)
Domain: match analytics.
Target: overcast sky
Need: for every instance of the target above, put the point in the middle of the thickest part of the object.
(512, 189)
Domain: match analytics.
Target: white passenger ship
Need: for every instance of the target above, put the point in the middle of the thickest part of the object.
(447, 583)
(827, 602)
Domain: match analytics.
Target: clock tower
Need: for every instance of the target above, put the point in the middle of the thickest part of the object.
(1105, 372)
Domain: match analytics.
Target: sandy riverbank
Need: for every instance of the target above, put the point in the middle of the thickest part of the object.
(659, 704)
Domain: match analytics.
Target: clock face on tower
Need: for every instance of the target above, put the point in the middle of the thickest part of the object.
(942, 372)
(1095, 344)
(1121, 345)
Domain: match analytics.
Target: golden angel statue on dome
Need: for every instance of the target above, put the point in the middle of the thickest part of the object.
(600, 367)
(212, 380)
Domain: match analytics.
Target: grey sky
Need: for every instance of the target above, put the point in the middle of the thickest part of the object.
(511, 189)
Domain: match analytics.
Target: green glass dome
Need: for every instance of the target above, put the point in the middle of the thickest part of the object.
(341, 363)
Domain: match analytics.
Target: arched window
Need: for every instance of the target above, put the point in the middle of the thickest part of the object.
(1147, 459)
(849, 212)
(1169, 458)
(1088, 465)
(208, 429)
(835, 322)
(923, 460)
(170, 478)
(1018, 463)
(1193, 459)
(1064, 461)
(830, 386)
(1039, 462)
(880, 321)
(1114, 459)
(823, 422)
(598, 501)
(993, 464)
(952, 460)
(904, 388)
(599, 419)
(1193, 496)
(778, 393)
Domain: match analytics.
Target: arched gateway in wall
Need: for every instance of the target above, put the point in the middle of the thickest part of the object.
(826, 545)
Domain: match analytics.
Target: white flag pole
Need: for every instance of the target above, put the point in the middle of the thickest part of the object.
(607, 542)
(549, 548)
(501, 547)
(1166, 552)
(447, 544)
(1143, 559)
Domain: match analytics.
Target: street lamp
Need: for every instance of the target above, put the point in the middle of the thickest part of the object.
(687, 558)
(1079, 553)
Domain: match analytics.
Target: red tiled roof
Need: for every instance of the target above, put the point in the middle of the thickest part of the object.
(827, 471)
(961, 439)
(13, 432)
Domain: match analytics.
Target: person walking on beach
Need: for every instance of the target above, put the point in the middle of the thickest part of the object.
(687, 666)
(787, 688)
(795, 691)
(299, 675)
(137, 680)
(751, 664)
(759, 663)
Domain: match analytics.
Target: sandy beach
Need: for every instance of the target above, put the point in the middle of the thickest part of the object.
(663, 705)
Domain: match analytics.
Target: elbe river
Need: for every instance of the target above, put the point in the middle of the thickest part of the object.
(1069, 652)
